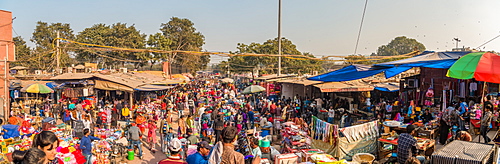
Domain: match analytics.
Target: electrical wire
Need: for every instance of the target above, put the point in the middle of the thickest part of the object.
(360, 27)
(479, 47)
(294, 57)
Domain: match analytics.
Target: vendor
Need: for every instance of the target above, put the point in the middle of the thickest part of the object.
(255, 147)
(267, 124)
(427, 116)
(407, 145)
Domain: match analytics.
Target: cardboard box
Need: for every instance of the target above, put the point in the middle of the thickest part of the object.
(289, 158)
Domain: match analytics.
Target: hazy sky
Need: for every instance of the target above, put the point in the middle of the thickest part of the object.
(322, 27)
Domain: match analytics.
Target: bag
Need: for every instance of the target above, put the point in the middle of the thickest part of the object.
(125, 111)
(66, 117)
(240, 118)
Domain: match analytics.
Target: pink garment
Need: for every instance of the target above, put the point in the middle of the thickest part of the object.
(478, 114)
(152, 133)
(239, 127)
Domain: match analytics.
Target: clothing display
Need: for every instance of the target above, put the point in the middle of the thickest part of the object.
(462, 89)
(322, 130)
(361, 131)
(78, 92)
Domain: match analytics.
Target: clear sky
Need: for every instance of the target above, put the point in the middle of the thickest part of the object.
(322, 27)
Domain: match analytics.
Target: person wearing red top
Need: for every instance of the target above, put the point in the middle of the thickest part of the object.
(103, 116)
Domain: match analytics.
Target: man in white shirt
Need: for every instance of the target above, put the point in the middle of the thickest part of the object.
(319, 103)
(331, 115)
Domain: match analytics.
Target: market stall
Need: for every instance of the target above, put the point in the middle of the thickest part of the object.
(344, 143)
(464, 152)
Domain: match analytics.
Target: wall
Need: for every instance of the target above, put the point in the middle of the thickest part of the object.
(7, 49)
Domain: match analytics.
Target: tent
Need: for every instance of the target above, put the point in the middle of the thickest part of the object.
(358, 71)
(441, 60)
(387, 87)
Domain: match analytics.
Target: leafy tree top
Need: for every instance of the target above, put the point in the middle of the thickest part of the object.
(399, 46)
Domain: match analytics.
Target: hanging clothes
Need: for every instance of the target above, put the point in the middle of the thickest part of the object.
(462, 89)
(472, 88)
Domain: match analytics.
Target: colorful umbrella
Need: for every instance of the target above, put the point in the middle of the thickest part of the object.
(253, 89)
(38, 88)
(483, 66)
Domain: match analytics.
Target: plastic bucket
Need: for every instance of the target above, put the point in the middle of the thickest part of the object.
(130, 155)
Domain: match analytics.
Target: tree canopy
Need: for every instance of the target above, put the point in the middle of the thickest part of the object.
(270, 64)
(117, 35)
(399, 46)
(44, 37)
(24, 56)
(183, 36)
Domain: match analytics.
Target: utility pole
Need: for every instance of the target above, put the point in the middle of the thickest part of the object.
(279, 37)
(57, 54)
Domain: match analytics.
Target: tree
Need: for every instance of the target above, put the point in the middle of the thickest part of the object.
(399, 46)
(24, 57)
(269, 64)
(184, 37)
(44, 38)
(116, 35)
(97, 34)
(158, 42)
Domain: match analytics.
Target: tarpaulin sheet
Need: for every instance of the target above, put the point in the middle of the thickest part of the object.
(107, 85)
(441, 60)
(354, 72)
(387, 87)
(149, 87)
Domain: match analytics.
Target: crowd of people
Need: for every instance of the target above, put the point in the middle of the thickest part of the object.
(208, 112)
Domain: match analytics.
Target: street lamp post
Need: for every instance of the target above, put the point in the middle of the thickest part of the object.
(279, 37)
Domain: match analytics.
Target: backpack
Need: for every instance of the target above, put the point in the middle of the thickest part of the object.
(165, 128)
(125, 111)
(67, 117)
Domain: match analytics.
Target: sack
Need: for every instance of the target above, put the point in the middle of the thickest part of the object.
(240, 118)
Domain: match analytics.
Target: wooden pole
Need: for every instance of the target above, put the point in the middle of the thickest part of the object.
(482, 94)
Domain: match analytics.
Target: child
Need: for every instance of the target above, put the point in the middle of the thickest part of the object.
(168, 137)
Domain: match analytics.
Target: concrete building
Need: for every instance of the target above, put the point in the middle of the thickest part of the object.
(7, 54)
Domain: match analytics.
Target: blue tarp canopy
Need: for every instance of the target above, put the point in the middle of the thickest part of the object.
(358, 71)
(387, 87)
(442, 60)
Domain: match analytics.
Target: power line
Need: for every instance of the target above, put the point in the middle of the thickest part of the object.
(360, 27)
(294, 57)
(479, 47)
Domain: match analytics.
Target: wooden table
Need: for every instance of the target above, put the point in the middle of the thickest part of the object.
(429, 134)
(427, 148)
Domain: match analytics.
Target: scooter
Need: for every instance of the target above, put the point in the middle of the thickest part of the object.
(118, 154)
